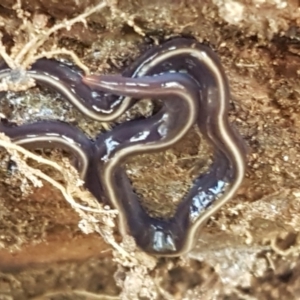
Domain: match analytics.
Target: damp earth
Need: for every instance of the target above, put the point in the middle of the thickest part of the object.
(250, 248)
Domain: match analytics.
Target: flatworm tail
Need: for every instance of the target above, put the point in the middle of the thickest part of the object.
(206, 89)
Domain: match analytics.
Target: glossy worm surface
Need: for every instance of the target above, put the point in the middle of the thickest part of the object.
(191, 83)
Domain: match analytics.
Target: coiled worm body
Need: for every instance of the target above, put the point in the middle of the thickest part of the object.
(211, 190)
(193, 87)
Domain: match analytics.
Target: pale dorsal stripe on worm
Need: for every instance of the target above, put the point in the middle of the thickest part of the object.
(53, 135)
(210, 191)
(178, 114)
(201, 69)
(68, 82)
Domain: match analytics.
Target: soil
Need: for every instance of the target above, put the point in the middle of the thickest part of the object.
(250, 248)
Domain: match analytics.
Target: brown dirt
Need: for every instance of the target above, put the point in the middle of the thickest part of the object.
(250, 249)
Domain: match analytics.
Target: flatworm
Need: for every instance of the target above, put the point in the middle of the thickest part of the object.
(190, 81)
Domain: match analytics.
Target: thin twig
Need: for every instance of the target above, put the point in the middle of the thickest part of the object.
(86, 294)
(4, 142)
(39, 40)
